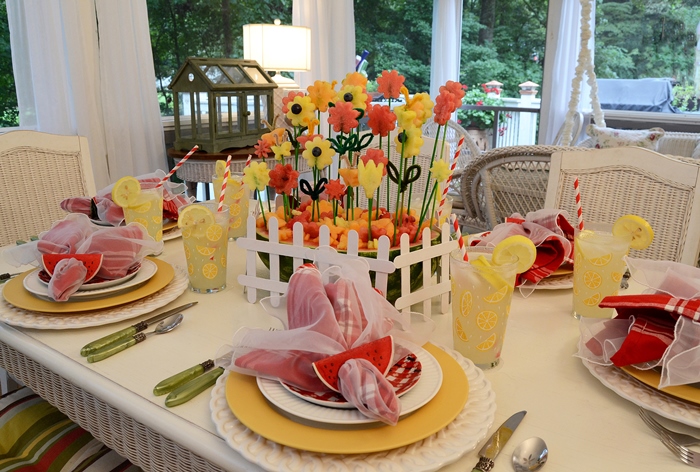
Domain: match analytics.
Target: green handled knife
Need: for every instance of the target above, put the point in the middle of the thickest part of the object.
(496, 442)
(174, 381)
(125, 333)
(193, 388)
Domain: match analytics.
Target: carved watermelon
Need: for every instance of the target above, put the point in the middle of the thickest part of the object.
(92, 262)
(378, 352)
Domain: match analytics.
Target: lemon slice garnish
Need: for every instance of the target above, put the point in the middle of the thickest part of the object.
(220, 168)
(126, 191)
(637, 227)
(515, 247)
(193, 215)
(488, 272)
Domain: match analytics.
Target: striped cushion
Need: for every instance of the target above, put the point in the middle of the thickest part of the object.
(36, 437)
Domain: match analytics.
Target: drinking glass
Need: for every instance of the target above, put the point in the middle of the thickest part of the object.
(598, 268)
(481, 297)
(206, 251)
(237, 198)
(148, 211)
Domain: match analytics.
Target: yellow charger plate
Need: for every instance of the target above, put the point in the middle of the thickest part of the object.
(251, 409)
(652, 379)
(15, 293)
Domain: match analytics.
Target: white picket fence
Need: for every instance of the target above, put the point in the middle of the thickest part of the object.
(325, 256)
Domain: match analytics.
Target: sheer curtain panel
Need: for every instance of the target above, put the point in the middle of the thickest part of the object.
(446, 43)
(85, 67)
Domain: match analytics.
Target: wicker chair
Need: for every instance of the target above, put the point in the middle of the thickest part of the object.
(503, 181)
(662, 189)
(672, 143)
(37, 171)
(576, 127)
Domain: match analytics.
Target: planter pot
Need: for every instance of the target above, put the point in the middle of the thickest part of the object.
(394, 279)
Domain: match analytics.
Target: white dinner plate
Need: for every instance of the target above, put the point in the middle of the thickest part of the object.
(424, 391)
(43, 276)
(34, 285)
(403, 376)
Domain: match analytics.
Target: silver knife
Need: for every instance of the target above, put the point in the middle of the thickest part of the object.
(92, 347)
(496, 442)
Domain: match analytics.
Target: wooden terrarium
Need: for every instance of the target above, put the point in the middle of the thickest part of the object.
(221, 103)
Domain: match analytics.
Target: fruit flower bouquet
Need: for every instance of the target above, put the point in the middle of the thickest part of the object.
(332, 198)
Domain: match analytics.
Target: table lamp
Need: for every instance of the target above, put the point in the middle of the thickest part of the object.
(278, 48)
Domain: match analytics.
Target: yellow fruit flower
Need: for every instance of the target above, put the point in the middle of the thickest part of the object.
(283, 150)
(319, 153)
(409, 141)
(256, 175)
(370, 176)
(404, 118)
(321, 93)
(349, 175)
(353, 94)
(301, 111)
(440, 171)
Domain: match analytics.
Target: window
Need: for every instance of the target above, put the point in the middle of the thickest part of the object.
(9, 113)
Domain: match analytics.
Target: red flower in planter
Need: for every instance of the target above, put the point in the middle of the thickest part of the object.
(381, 119)
(390, 83)
(335, 189)
(343, 117)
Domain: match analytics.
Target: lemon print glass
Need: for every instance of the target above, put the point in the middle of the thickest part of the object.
(481, 296)
(206, 245)
(147, 209)
(598, 268)
(237, 198)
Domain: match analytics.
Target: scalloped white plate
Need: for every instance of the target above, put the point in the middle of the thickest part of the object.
(432, 453)
(644, 396)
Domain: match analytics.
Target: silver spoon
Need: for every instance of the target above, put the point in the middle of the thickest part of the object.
(163, 327)
(530, 455)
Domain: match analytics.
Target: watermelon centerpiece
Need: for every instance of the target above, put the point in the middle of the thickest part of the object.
(92, 262)
(379, 352)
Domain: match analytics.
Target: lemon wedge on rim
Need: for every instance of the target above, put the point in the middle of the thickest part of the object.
(515, 247)
(220, 168)
(126, 191)
(637, 227)
(192, 215)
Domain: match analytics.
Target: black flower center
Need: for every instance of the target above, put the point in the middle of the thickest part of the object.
(317, 151)
(347, 97)
(296, 108)
(402, 137)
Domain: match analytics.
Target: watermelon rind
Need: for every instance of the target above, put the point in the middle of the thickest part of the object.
(379, 352)
(92, 262)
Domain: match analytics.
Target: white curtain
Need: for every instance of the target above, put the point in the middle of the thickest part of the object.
(85, 67)
(446, 47)
(563, 43)
(332, 38)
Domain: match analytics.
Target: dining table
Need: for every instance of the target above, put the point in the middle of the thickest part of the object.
(588, 415)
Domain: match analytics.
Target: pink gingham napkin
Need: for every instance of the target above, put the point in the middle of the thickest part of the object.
(551, 233)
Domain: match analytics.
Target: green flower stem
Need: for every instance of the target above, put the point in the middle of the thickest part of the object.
(262, 208)
(426, 205)
(398, 195)
(287, 210)
(335, 211)
(378, 203)
(410, 190)
(369, 220)
(432, 158)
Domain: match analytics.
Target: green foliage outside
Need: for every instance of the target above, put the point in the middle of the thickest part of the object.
(9, 113)
(477, 95)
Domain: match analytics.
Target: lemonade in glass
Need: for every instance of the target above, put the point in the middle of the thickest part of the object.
(140, 205)
(237, 198)
(481, 295)
(204, 231)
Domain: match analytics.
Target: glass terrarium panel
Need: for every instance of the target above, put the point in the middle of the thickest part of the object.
(201, 108)
(237, 75)
(223, 114)
(234, 116)
(184, 103)
(253, 113)
(215, 75)
(256, 75)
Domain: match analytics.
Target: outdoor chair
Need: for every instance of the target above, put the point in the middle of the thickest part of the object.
(630, 180)
(37, 171)
(503, 181)
(672, 143)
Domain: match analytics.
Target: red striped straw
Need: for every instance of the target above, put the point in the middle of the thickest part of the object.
(579, 210)
(247, 161)
(460, 238)
(227, 173)
(449, 178)
(177, 166)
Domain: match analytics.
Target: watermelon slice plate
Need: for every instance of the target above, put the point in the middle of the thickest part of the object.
(98, 282)
(404, 375)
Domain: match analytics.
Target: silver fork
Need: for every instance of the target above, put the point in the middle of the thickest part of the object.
(679, 438)
(686, 455)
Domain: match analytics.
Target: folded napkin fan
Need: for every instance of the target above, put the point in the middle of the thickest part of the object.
(101, 206)
(121, 247)
(651, 329)
(551, 233)
(325, 314)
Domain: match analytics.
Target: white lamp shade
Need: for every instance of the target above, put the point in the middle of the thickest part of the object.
(278, 47)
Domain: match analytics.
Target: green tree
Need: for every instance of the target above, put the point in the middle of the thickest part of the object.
(9, 114)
